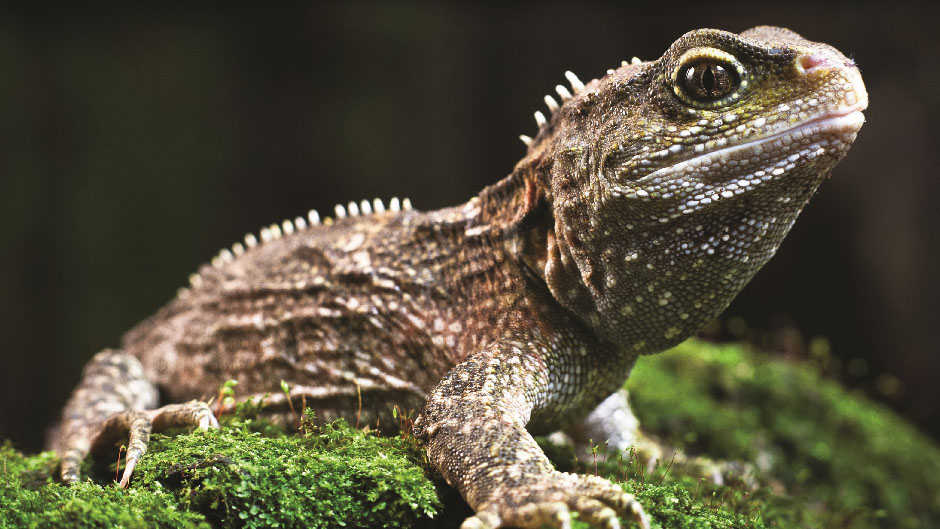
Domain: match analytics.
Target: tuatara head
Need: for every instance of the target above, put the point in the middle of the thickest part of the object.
(672, 182)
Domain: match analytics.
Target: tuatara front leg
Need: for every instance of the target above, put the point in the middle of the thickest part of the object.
(115, 401)
(475, 428)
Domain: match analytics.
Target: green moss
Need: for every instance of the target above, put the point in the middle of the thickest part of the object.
(30, 500)
(844, 460)
(331, 476)
(828, 459)
(675, 506)
(673, 501)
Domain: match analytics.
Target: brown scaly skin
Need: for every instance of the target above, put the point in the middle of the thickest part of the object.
(645, 203)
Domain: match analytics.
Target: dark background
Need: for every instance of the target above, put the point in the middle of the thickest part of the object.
(135, 142)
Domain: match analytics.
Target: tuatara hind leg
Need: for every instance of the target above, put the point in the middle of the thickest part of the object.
(613, 424)
(115, 401)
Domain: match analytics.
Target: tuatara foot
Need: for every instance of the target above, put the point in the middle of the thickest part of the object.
(136, 426)
(613, 425)
(548, 500)
(718, 471)
(116, 402)
(651, 454)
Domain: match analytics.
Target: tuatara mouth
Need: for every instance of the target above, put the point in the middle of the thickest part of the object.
(737, 169)
(834, 126)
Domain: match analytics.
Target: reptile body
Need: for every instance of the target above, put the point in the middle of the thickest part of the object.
(647, 200)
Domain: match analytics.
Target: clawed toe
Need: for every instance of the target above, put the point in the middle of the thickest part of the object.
(612, 496)
(139, 434)
(189, 414)
(626, 505)
(595, 513)
(549, 503)
(136, 426)
(482, 520)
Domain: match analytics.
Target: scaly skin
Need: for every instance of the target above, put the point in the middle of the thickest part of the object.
(644, 204)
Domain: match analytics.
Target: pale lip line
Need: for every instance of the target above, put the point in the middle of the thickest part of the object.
(838, 119)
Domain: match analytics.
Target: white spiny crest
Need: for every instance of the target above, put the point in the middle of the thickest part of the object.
(221, 258)
(635, 60)
(288, 227)
(364, 207)
(576, 84)
(540, 118)
(610, 71)
(551, 103)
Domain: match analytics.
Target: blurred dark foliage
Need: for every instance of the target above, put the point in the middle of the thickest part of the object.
(136, 141)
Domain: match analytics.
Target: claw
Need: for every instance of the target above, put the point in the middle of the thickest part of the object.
(596, 513)
(554, 515)
(193, 414)
(628, 507)
(128, 470)
(482, 520)
(549, 501)
(612, 496)
(206, 419)
(137, 426)
(641, 518)
(139, 432)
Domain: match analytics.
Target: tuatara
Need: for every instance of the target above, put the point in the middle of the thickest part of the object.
(647, 200)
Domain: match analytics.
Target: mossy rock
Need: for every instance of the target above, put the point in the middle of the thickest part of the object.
(827, 458)
(836, 458)
(247, 475)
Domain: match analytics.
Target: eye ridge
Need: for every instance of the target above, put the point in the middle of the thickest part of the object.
(708, 80)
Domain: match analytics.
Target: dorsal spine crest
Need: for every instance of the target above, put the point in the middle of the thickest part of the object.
(553, 105)
(288, 227)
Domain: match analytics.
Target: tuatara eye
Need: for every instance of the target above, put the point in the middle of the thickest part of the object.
(708, 80)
